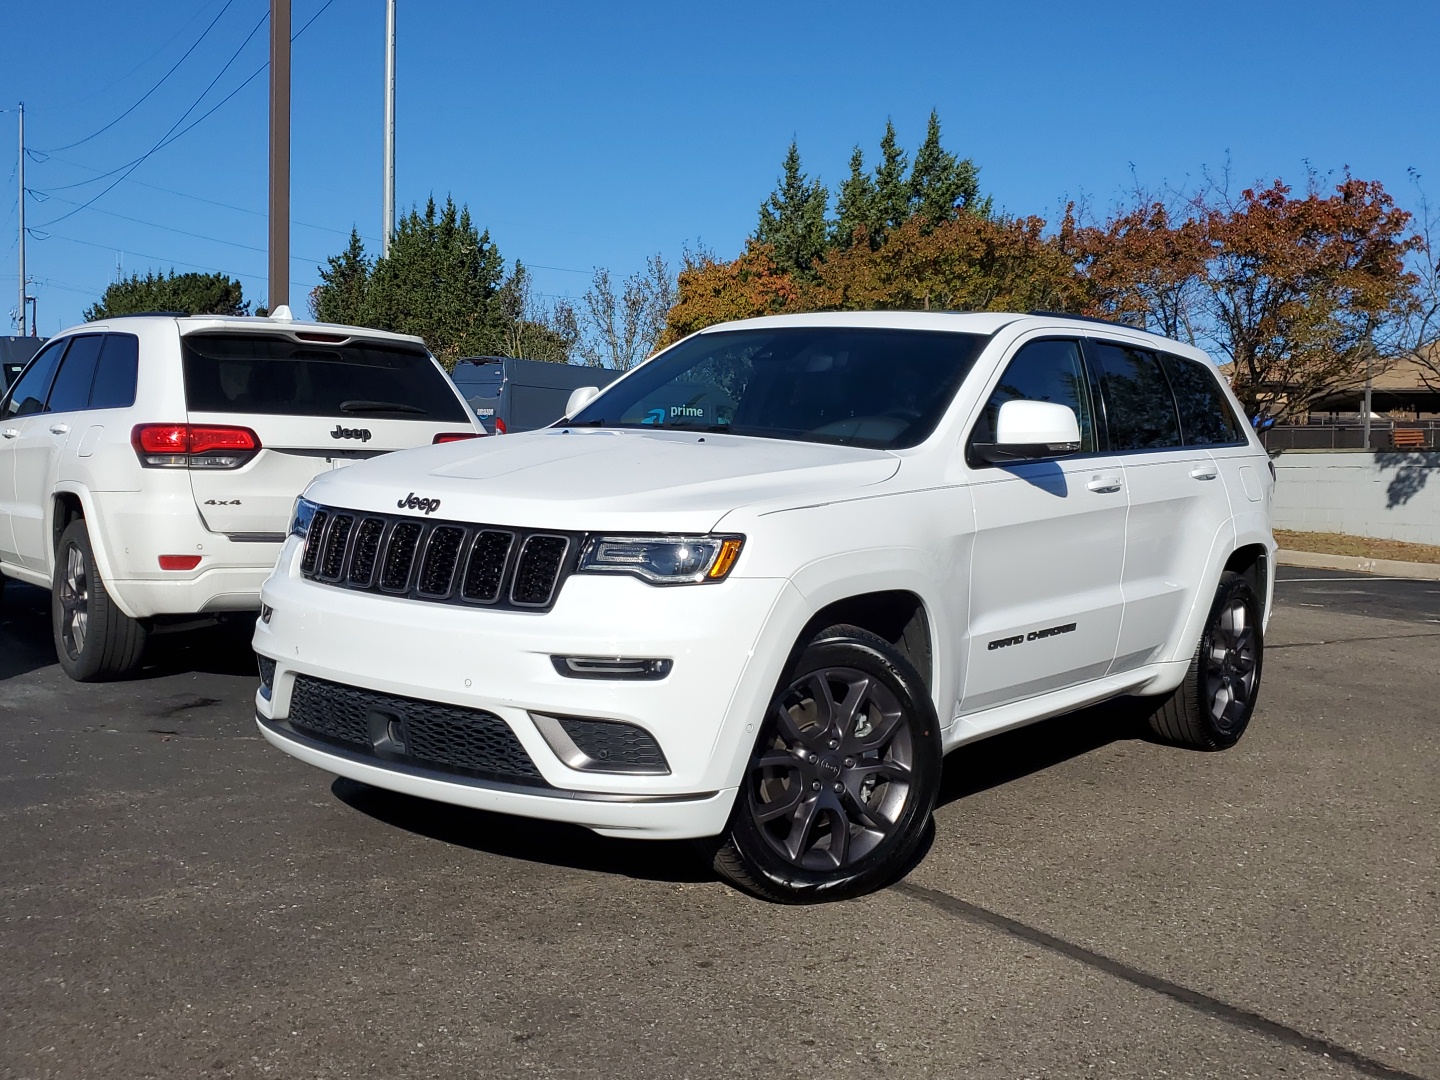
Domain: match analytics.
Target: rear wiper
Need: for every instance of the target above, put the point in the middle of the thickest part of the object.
(377, 406)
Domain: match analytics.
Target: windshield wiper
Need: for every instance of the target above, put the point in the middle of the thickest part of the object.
(378, 406)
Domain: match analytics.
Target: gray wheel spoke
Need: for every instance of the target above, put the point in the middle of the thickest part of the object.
(776, 759)
(802, 822)
(786, 804)
(857, 696)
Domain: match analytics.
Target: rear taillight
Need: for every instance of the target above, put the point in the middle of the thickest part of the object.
(456, 436)
(499, 426)
(193, 446)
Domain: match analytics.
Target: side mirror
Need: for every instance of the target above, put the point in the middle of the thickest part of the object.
(579, 398)
(1028, 430)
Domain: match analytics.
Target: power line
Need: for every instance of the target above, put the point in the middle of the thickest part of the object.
(182, 232)
(167, 138)
(136, 163)
(172, 262)
(173, 68)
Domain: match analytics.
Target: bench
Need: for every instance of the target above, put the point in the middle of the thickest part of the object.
(1408, 438)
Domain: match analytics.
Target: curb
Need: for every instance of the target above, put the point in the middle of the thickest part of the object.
(1385, 567)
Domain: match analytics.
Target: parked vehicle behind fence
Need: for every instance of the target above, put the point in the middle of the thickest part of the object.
(510, 395)
(755, 590)
(148, 465)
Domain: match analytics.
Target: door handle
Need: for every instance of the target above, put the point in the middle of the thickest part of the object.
(10, 432)
(59, 429)
(1204, 472)
(1104, 484)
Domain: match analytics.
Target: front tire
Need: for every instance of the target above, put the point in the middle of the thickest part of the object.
(1211, 709)
(94, 640)
(839, 789)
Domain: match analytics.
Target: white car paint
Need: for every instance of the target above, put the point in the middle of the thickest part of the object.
(1100, 567)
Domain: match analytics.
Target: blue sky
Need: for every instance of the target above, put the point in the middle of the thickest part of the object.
(589, 135)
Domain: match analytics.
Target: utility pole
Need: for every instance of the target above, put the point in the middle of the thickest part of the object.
(388, 209)
(20, 199)
(279, 153)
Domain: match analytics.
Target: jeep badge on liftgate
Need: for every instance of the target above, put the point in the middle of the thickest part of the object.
(341, 432)
(410, 502)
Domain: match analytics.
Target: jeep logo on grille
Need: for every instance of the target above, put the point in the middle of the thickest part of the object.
(340, 432)
(411, 502)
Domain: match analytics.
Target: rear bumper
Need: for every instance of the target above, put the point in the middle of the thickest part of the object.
(654, 817)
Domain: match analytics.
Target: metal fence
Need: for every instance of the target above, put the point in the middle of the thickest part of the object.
(1350, 435)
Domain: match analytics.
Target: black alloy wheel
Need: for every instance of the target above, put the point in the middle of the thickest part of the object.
(1212, 707)
(94, 639)
(839, 788)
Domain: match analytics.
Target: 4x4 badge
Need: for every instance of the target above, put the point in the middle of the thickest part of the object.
(410, 502)
(363, 434)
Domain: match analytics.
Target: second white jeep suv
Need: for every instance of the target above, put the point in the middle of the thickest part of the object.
(148, 464)
(758, 587)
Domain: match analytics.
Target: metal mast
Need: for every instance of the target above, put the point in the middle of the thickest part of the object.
(20, 198)
(279, 153)
(388, 209)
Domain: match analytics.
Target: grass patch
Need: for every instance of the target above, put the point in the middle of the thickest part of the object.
(1325, 543)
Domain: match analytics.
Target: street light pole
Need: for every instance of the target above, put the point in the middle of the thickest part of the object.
(20, 199)
(388, 209)
(279, 153)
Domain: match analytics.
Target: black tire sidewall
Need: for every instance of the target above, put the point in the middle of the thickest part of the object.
(1232, 587)
(88, 664)
(850, 647)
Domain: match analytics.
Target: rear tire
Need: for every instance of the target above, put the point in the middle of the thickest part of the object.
(839, 788)
(94, 639)
(1211, 709)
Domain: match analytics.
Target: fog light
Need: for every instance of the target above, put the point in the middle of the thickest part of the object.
(612, 667)
(266, 611)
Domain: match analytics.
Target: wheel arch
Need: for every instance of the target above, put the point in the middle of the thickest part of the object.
(72, 502)
(897, 615)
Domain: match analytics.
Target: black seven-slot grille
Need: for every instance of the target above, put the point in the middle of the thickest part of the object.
(426, 733)
(444, 561)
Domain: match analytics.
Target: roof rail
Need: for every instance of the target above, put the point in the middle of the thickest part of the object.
(146, 314)
(1087, 318)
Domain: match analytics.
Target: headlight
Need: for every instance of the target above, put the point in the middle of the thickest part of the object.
(300, 518)
(663, 560)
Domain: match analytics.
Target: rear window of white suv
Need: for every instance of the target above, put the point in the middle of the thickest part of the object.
(273, 375)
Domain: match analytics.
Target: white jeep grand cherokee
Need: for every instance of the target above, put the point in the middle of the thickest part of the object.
(148, 464)
(762, 584)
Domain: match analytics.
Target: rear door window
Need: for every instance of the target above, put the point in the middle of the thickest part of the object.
(71, 389)
(273, 375)
(1139, 409)
(1206, 418)
(30, 390)
(117, 373)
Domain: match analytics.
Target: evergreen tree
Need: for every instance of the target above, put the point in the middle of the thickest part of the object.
(941, 185)
(188, 294)
(892, 190)
(792, 219)
(441, 281)
(340, 296)
(855, 207)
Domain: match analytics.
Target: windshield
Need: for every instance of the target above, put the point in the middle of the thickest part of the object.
(857, 386)
(255, 373)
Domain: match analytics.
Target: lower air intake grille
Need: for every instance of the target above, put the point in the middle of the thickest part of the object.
(428, 734)
(613, 743)
(448, 562)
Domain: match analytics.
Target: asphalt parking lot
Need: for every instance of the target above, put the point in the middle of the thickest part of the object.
(180, 900)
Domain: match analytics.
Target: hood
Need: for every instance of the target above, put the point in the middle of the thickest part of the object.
(604, 479)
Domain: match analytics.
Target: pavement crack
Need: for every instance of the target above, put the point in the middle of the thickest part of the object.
(1201, 1002)
(192, 703)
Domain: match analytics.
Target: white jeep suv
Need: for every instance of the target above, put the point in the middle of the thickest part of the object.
(758, 587)
(148, 464)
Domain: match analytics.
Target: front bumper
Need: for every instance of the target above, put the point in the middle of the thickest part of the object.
(653, 817)
(729, 643)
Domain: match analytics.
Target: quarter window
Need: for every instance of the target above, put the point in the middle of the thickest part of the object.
(28, 394)
(71, 390)
(1049, 370)
(116, 375)
(1139, 409)
(1206, 418)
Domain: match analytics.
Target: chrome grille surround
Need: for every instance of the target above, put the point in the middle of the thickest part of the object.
(451, 562)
